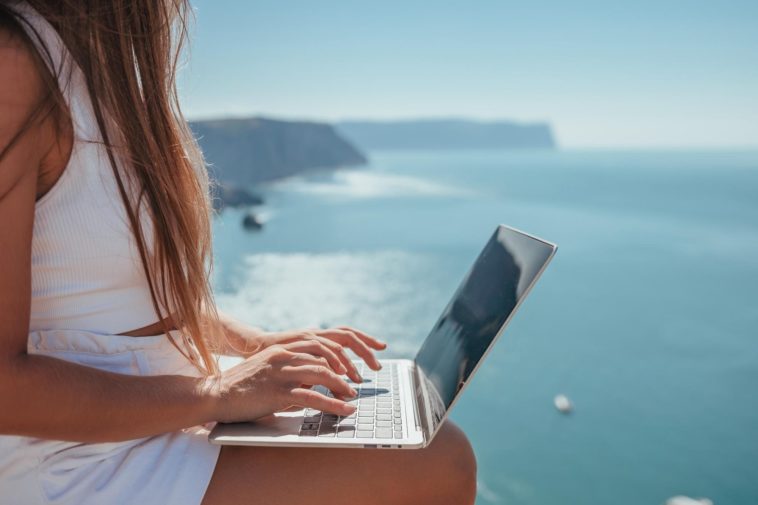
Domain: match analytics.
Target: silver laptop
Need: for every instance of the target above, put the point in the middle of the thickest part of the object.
(403, 404)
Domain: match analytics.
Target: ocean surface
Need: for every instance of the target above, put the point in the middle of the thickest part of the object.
(647, 319)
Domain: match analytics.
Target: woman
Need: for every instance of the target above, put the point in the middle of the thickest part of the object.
(107, 324)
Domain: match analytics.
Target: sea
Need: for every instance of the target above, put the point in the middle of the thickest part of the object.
(647, 318)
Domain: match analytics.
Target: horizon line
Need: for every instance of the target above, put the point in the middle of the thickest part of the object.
(482, 120)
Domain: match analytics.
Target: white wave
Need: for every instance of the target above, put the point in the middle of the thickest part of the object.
(376, 292)
(686, 500)
(486, 493)
(367, 184)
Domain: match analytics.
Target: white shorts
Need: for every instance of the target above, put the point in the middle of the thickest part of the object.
(173, 468)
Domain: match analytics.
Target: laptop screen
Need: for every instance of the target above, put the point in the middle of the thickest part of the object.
(501, 276)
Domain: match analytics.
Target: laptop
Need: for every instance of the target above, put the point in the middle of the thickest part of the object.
(403, 405)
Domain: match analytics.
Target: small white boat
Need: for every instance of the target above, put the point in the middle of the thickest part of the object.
(563, 404)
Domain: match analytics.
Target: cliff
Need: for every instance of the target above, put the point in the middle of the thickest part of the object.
(243, 152)
(447, 134)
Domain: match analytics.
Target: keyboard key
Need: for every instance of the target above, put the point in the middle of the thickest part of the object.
(384, 424)
(383, 417)
(364, 434)
(384, 411)
(346, 434)
(308, 433)
(309, 426)
(383, 433)
(326, 434)
(365, 427)
(398, 434)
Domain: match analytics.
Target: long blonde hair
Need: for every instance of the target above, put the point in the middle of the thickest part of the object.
(128, 51)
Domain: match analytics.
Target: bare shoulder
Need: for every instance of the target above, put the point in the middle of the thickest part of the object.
(21, 81)
(22, 91)
(22, 147)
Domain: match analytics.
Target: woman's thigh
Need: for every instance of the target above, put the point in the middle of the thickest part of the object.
(443, 473)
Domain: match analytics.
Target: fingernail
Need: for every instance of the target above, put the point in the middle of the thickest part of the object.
(350, 408)
(353, 392)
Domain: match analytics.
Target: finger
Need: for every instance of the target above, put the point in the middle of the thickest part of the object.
(350, 340)
(310, 399)
(372, 342)
(305, 359)
(319, 376)
(317, 348)
(352, 370)
(309, 360)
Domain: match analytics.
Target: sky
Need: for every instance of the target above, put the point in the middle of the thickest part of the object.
(604, 74)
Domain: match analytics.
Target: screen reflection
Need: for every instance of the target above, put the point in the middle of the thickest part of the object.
(500, 277)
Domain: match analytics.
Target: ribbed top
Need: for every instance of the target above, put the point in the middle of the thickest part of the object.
(86, 270)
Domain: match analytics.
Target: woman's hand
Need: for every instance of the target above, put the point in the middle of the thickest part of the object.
(279, 377)
(245, 341)
(336, 340)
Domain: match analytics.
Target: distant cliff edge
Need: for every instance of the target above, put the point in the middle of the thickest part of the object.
(447, 134)
(243, 152)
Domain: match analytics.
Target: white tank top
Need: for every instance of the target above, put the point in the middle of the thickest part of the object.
(86, 269)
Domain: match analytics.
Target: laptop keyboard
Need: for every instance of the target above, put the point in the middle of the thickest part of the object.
(379, 413)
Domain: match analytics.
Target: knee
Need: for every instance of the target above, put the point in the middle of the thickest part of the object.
(455, 465)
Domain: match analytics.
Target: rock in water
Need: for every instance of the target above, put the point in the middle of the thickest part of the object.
(563, 404)
(247, 151)
(229, 195)
(252, 222)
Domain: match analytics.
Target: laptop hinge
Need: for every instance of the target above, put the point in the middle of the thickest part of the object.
(422, 411)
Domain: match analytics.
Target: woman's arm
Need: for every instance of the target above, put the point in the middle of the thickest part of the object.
(43, 396)
(49, 398)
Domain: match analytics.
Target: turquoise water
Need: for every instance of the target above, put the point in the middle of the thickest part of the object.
(647, 318)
